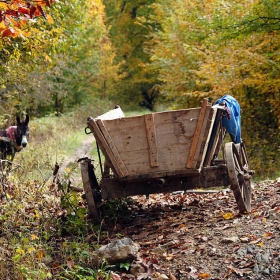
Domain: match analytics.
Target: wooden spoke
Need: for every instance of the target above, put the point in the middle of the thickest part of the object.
(237, 165)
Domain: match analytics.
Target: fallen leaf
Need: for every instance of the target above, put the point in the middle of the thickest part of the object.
(240, 272)
(169, 257)
(182, 226)
(115, 276)
(70, 263)
(267, 234)
(31, 250)
(228, 216)
(204, 275)
(255, 241)
(261, 244)
(34, 237)
(40, 254)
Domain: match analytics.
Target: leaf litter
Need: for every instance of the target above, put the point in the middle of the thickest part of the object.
(203, 236)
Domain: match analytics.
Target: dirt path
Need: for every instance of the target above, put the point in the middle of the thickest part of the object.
(83, 151)
(198, 236)
(202, 236)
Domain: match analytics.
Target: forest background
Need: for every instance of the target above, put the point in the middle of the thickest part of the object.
(57, 55)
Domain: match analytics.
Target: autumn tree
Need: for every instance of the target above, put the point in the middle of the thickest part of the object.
(77, 60)
(25, 31)
(61, 61)
(130, 28)
(214, 48)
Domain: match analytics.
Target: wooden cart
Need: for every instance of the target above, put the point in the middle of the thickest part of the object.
(164, 152)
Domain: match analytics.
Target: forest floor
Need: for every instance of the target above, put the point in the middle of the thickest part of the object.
(200, 235)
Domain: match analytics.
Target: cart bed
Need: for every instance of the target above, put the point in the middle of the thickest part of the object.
(154, 145)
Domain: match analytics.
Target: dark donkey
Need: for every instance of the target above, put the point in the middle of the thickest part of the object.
(13, 139)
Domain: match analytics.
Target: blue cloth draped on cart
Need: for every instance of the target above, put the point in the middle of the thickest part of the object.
(232, 124)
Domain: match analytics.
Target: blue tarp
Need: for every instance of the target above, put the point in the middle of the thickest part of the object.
(232, 125)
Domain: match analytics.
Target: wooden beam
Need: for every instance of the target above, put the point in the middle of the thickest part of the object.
(205, 134)
(118, 162)
(210, 177)
(152, 139)
(104, 146)
(88, 190)
(197, 133)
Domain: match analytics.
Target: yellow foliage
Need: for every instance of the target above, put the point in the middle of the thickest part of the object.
(228, 216)
(34, 237)
(30, 250)
(40, 254)
(20, 251)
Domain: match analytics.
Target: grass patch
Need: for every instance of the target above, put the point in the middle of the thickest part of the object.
(43, 226)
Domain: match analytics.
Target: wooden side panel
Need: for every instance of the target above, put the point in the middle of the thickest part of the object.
(206, 138)
(152, 139)
(215, 140)
(118, 162)
(174, 133)
(199, 131)
(129, 136)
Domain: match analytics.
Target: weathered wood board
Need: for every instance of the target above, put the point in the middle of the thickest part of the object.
(157, 143)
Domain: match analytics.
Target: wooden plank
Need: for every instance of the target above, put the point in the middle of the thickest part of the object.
(152, 139)
(202, 141)
(88, 191)
(197, 134)
(214, 139)
(162, 174)
(214, 146)
(171, 127)
(107, 163)
(113, 150)
(170, 159)
(174, 132)
(112, 114)
(104, 147)
(112, 188)
(128, 134)
(202, 148)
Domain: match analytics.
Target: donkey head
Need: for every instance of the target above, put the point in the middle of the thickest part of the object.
(22, 131)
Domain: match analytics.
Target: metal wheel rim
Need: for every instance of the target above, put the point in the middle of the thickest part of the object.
(237, 165)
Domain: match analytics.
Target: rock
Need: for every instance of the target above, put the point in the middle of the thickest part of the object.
(244, 239)
(250, 249)
(123, 250)
(259, 257)
(256, 269)
(242, 252)
(136, 268)
(231, 239)
(262, 258)
(265, 257)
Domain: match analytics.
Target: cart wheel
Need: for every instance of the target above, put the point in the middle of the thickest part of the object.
(237, 166)
(90, 187)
